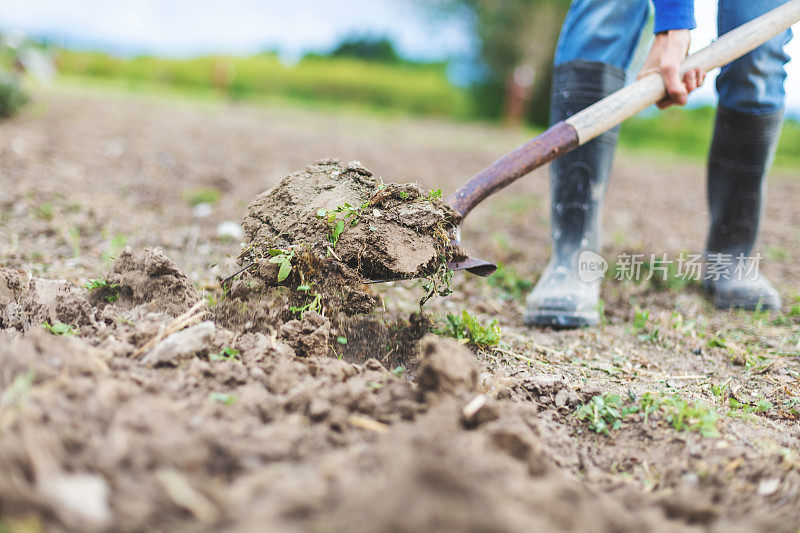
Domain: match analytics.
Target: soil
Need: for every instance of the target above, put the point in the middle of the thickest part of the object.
(169, 403)
(339, 226)
(389, 231)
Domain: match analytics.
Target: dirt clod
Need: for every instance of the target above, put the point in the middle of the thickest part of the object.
(342, 226)
(447, 366)
(309, 336)
(148, 277)
(389, 231)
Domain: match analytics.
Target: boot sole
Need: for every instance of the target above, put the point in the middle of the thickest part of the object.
(560, 319)
(746, 305)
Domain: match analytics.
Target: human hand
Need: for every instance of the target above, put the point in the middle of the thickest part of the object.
(668, 51)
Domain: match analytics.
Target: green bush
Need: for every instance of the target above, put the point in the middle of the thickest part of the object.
(12, 96)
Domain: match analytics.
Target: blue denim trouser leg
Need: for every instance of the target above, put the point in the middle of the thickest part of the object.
(608, 31)
(753, 83)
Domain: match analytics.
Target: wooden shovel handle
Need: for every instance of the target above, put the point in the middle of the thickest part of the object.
(616, 108)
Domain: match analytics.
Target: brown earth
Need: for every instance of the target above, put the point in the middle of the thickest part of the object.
(382, 231)
(139, 417)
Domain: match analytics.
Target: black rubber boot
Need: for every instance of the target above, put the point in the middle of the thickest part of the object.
(741, 153)
(578, 184)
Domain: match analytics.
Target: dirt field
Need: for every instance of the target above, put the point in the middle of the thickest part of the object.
(158, 402)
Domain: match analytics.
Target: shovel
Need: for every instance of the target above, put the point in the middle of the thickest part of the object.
(604, 115)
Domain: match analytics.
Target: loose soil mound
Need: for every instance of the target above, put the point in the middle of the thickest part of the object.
(338, 226)
(380, 231)
(150, 278)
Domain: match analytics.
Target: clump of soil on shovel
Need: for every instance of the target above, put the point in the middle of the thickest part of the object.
(325, 229)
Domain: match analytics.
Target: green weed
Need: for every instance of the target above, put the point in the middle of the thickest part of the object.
(227, 354)
(667, 275)
(434, 194)
(439, 283)
(313, 302)
(794, 310)
(741, 408)
(509, 282)
(351, 217)
(118, 242)
(73, 238)
(284, 259)
(59, 329)
(606, 413)
(640, 319)
(44, 212)
(201, 195)
(19, 389)
(223, 397)
(642, 329)
(111, 290)
(776, 253)
(467, 327)
(602, 413)
(682, 415)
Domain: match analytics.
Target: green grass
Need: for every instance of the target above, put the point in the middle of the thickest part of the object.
(688, 132)
(354, 84)
(418, 89)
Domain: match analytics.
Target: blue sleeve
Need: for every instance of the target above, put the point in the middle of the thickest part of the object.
(674, 15)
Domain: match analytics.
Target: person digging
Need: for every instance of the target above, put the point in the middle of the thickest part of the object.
(594, 51)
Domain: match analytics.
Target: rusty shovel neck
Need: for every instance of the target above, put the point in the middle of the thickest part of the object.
(552, 143)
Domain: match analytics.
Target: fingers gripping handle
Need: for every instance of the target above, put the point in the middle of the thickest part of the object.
(623, 104)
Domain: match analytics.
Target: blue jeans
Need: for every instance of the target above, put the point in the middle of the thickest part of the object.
(608, 31)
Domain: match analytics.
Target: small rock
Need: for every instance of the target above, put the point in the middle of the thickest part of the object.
(181, 345)
(479, 411)
(356, 166)
(562, 397)
(82, 495)
(318, 409)
(768, 487)
(202, 210)
(230, 230)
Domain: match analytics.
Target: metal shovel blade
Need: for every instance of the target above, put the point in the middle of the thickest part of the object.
(472, 265)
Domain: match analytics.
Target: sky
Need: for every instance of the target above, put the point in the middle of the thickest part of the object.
(187, 27)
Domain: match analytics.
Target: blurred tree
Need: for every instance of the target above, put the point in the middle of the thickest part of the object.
(370, 48)
(517, 39)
